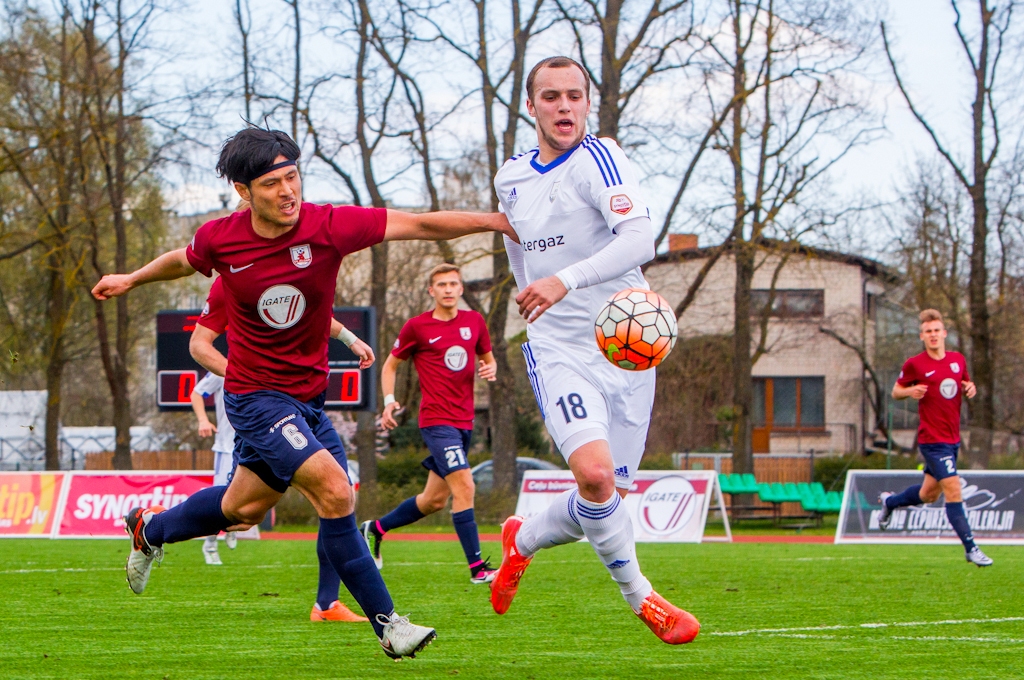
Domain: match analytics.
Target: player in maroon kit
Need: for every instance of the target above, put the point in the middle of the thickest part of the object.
(936, 379)
(441, 343)
(279, 261)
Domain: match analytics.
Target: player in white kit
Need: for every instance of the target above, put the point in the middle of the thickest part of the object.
(223, 444)
(584, 231)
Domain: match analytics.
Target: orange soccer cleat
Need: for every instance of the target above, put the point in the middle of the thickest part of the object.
(336, 612)
(670, 623)
(506, 582)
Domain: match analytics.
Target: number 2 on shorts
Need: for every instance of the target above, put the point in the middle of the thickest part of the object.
(575, 407)
(949, 465)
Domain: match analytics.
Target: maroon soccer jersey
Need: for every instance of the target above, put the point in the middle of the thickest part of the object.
(939, 409)
(444, 354)
(214, 316)
(278, 292)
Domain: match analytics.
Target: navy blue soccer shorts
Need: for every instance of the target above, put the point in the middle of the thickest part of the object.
(448, 446)
(940, 459)
(275, 434)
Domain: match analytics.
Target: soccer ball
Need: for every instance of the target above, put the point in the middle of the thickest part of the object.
(636, 329)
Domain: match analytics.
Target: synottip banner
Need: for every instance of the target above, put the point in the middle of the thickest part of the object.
(993, 501)
(93, 504)
(28, 503)
(665, 506)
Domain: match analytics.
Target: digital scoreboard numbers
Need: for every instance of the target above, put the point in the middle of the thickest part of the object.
(348, 387)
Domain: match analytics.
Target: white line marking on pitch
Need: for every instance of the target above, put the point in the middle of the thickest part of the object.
(54, 571)
(948, 622)
(940, 638)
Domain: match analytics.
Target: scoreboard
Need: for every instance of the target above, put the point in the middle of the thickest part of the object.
(348, 387)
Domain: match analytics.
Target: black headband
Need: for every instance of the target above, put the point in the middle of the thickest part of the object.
(275, 166)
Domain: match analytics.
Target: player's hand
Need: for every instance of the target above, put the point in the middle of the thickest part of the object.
(207, 429)
(365, 354)
(387, 419)
(918, 391)
(970, 389)
(488, 371)
(112, 285)
(536, 298)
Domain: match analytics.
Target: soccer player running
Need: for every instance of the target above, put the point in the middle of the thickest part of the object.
(937, 379)
(440, 343)
(585, 231)
(211, 324)
(279, 261)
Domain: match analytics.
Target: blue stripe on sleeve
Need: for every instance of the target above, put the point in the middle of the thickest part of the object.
(599, 166)
(611, 160)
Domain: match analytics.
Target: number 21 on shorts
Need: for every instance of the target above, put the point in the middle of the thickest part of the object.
(574, 408)
(455, 456)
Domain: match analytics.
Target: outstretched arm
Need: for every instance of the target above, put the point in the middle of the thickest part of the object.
(172, 265)
(437, 226)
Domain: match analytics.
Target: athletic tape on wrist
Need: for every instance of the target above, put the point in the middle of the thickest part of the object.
(347, 337)
(389, 399)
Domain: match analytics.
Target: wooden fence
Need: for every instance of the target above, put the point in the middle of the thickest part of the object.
(154, 460)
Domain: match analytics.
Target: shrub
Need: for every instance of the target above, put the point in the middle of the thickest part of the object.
(831, 470)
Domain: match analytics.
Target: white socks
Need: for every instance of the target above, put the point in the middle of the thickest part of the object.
(610, 532)
(555, 526)
(607, 527)
(210, 544)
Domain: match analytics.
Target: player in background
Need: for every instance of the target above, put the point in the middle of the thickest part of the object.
(211, 324)
(937, 379)
(440, 343)
(279, 261)
(212, 385)
(584, 231)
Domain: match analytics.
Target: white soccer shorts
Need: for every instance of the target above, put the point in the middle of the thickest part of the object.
(583, 398)
(223, 464)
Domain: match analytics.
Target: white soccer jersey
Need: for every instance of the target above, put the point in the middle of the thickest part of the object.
(564, 212)
(214, 385)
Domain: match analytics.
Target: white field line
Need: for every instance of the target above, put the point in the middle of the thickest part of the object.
(55, 571)
(902, 624)
(939, 638)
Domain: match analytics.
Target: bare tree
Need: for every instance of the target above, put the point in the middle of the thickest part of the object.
(502, 76)
(982, 52)
(780, 68)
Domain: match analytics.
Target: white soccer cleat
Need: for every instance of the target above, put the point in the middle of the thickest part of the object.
(402, 638)
(885, 514)
(211, 556)
(141, 558)
(231, 540)
(975, 556)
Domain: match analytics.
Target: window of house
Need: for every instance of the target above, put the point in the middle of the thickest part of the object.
(789, 304)
(789, 403)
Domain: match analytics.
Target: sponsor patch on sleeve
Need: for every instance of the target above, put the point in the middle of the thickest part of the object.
(620, 203)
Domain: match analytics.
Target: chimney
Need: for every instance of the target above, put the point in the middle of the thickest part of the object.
(679, 242)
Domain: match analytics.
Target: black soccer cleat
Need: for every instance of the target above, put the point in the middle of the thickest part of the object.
(373, 541)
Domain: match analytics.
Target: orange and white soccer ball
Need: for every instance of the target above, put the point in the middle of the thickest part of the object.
(636, 329)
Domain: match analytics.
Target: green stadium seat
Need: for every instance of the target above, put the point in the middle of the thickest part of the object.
(790, 492)
(723, 482)
(749, 483)
(765, 493)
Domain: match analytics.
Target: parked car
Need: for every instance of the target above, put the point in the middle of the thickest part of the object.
(483, 474)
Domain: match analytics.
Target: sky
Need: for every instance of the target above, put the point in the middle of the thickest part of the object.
(926, 48)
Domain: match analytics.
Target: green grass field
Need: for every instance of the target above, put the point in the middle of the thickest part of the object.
(67, 613)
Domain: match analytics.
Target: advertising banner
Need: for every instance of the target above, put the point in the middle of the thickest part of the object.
(993, 501)
(666, 506)
(28, 503)
(93, 503)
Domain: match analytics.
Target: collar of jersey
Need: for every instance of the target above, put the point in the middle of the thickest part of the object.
(553, 164)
